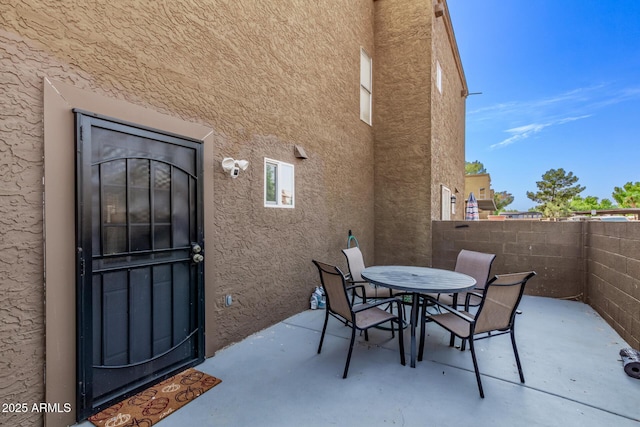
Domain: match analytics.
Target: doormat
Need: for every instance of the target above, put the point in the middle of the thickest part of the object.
(155, 403)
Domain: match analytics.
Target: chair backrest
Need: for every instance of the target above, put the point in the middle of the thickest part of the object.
(355, 262)
(501, 298)
(476, 265)
(335, 290)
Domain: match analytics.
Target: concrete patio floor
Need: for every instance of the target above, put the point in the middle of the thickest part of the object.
(570, 356)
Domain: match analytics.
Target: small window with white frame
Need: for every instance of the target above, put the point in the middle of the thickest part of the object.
(279, 185)
(366, 93)
(438, 76)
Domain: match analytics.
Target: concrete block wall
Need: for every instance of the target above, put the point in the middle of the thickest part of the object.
(613, 279)
(553, 250)
(597, 263)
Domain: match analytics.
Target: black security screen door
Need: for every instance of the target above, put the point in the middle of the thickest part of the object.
(139, 258)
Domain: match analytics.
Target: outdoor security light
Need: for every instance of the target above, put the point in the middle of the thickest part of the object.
(234, 166)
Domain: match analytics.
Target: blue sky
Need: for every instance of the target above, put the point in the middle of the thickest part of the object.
(560, 83)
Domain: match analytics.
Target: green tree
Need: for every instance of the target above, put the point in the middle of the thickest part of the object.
(628, 196)
(474, 168)
(271, 182)
(555, 192)
(606, 204)
(589, 203)
(502, 200)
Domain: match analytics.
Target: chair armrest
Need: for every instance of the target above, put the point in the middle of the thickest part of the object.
(348, 278)
(364, 295)
(453, 311)
(429, 297)
(354, 286)
(468, 298)
(361, 307)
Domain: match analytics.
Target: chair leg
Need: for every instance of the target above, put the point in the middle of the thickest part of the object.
(452, 340)
(324, 328)
(423, 324)
(393, 330)
(353, 338)
(515, 351)
(475, 366)
(463, 345)
(401, 343)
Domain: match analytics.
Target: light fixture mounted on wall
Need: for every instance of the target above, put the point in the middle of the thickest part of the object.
(453, 200)
(234, 166)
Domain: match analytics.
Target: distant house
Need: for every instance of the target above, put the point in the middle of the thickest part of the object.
(480, 186)
(345, 115)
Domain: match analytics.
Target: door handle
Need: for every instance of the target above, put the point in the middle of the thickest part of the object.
(196, 253)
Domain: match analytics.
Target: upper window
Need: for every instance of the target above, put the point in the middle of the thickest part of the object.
(279, 185)
(365, 87)
(438, 76)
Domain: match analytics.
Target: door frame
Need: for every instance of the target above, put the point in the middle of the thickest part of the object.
(87, 403)
(59, 225)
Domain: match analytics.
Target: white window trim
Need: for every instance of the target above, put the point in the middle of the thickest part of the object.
(446, 204)
(364, 56)
(279, 180)
(438, 76)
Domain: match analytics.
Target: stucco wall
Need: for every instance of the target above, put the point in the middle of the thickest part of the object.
(613, 280)
(21, 248)
(401, 112)
(447, 119)
(419, 135)
(263, 75)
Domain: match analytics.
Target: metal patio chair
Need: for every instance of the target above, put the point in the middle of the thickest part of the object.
(495, 316)
(360, 317)
(471, 263)
(355, 263)
(476, 265)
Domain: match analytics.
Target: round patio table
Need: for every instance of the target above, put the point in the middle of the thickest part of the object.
(417, 280)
